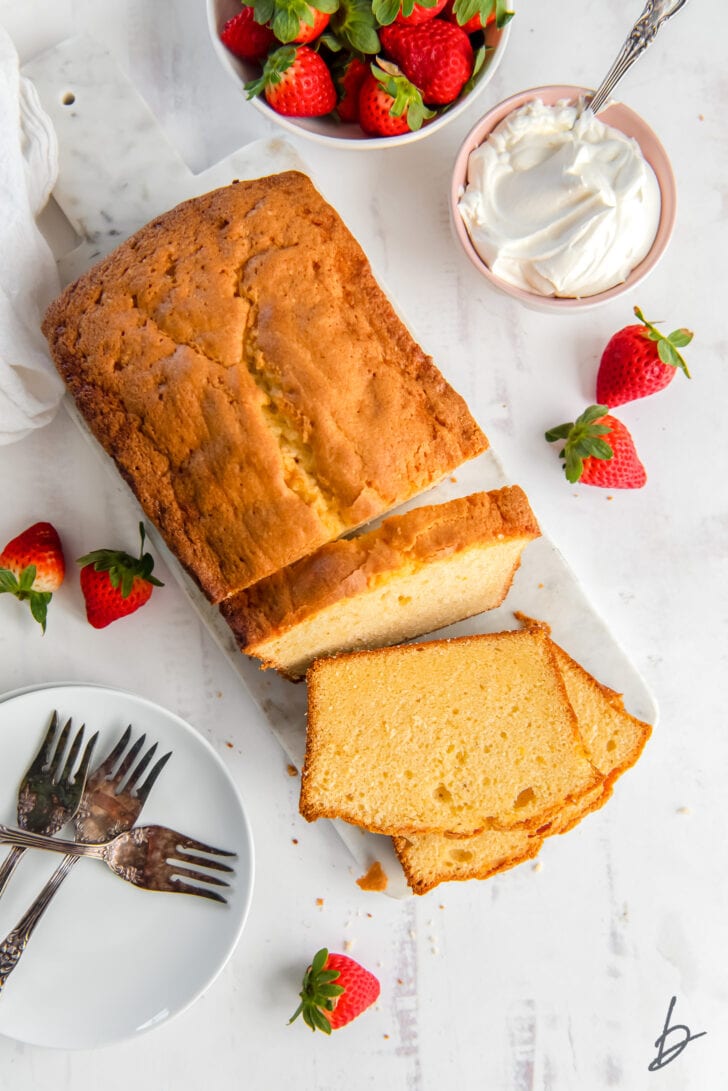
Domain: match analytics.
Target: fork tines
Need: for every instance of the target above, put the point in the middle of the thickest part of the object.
(187, 852)
(107, 770)
(50, 757)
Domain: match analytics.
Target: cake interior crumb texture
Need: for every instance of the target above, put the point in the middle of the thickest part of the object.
(451, 736)
(614, 740)
(254, 385)
(416, 573)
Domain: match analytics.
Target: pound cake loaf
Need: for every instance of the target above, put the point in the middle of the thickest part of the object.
(252, 382)
(613, 740)
(415, 573)
(450, 736)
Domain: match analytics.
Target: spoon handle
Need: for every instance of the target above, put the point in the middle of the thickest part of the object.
(656, 13)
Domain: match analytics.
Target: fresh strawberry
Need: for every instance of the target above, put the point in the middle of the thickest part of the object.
(245, 38)
(412, 14)
(409, 12)
(437, 57)
(32, 567)
(335, 990)
(590, 459)
(349, 83)
(295, 20)
(308, 31)
(639, 360)
(296, 82)
(389, 104)
(115, 584)
(474, 15)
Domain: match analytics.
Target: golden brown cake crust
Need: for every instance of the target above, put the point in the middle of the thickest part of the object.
(252, 382)
(343, 568)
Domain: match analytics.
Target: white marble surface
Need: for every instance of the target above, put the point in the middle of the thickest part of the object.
(557, 978)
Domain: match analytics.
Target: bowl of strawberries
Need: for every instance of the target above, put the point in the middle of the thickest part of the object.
(360, 73)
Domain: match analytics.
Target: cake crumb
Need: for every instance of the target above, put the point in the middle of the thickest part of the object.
(538, 866)
(453, 479)
(684, 810)
(229, 745)
(375, 878)
(292, 771)
(386, 1036)
(348, 944)
(369, 915)
(294, 840)
(319, 901)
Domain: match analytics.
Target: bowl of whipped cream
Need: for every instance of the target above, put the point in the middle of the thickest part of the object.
(560, 208)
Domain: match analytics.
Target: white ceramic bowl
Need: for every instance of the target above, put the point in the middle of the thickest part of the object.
(328, 130)
(616, 115)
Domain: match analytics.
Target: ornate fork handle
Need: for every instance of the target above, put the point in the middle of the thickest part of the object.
(656, 13)
(9, 865)
(14, 944)
(25, 839)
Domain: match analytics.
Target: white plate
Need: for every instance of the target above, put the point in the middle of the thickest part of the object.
(109, 961)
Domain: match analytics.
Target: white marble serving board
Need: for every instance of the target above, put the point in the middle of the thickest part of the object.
(111, 182)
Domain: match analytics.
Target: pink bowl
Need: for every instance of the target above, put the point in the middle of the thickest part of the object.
(618, 116)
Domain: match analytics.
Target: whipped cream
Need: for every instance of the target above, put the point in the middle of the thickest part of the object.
(559, 204)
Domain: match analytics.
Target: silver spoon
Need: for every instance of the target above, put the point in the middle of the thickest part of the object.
(656, 13)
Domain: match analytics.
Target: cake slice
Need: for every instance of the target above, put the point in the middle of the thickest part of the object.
(614, 741)
(252, 382)
(613, 738)
(429, 859)
(415, 573)
(451, 736)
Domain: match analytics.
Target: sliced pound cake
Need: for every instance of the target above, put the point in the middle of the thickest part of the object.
(614, 741)
(449, 736)
(415, 573)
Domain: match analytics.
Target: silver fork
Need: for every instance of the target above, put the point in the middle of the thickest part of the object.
(110, 804)
(152, 857)
(50, 793)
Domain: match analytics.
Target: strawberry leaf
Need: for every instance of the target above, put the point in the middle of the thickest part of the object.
(26, 580)
(667, 353)
(38, 602)
(331, 42)
(263, 11)
(286, 16)
(354, 23)
(385, 11)
(573, 467)
(8, 581)
(667, 346)
(478, 62)
(464, 10)
(680, 338)
(276, 64)
(122, 568)
(406, 97)
(582, 440)
(502, 14)
(23, 590)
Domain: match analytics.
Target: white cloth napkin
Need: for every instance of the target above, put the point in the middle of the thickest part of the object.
(30, 389)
